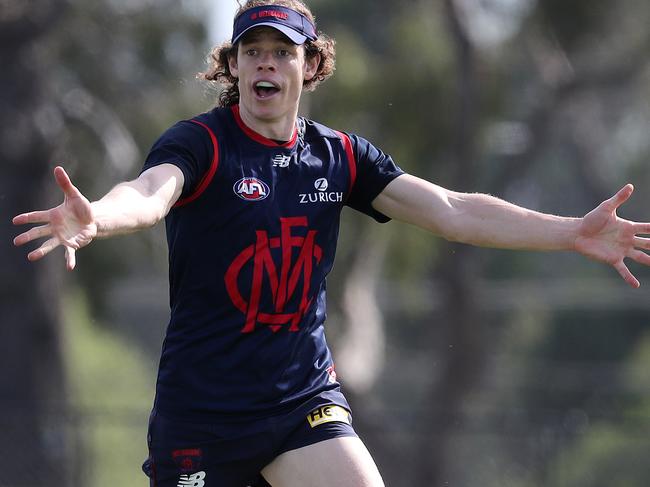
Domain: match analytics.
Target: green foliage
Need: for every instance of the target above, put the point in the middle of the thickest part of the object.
(111, 392)
(608, 456)
(549, 117)
(125, 72)
(552, 117)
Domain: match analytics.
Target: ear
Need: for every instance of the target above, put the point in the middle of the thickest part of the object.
(232, 65)
(311, 66)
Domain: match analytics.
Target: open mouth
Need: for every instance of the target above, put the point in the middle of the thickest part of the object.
(265, 89)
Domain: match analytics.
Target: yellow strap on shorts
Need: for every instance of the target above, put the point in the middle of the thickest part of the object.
(327, 414)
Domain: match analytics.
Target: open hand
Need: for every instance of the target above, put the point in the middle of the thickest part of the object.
(70, 224)
(605, 237)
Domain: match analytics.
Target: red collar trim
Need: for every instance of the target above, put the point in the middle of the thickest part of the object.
(257, 137)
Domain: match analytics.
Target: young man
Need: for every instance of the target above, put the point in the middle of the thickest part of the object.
(251, 195)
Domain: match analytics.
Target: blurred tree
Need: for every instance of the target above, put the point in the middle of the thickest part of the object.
(34, 449)
(523, 99)
(126, 71)
(541, 102)
(88, 85)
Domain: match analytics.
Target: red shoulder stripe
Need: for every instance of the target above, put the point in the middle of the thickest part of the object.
(352, 162)
(207, 177)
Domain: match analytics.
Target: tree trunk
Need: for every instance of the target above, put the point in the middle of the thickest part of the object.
(33, 445)
(462, 353)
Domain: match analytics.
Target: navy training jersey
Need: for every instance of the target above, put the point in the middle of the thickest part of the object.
(251, 241)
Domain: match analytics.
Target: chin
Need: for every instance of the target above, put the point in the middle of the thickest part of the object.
(266, 109)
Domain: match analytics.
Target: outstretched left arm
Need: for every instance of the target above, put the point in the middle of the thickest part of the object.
(486, 221)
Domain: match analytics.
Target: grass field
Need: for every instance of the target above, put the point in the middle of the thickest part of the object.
(111, 390)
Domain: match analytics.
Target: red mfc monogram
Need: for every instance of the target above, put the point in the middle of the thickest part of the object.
(283, 282)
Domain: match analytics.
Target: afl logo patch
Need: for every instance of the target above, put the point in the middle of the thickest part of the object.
(251, 189)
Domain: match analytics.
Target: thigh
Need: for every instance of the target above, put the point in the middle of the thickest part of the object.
(344, 462)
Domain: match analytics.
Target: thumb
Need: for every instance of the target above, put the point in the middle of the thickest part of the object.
(64, 182)
(620, 197)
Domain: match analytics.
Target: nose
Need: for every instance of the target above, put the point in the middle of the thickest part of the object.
(265, 62)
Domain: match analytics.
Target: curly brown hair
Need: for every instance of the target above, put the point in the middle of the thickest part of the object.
(219, 71)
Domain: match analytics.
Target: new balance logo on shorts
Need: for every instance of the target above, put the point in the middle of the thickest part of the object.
(327, 414)
(194, 480)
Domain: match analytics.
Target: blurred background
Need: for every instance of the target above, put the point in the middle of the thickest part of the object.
(464, 366)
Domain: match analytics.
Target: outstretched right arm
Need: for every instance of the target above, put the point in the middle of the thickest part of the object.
(126, 208)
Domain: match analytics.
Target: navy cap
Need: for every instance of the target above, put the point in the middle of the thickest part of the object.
(292, 24)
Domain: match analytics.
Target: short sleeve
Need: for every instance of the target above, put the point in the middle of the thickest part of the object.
(375, 170)
(186, 145)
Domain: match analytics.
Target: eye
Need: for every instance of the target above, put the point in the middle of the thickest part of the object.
(251, 52)
(283, 52)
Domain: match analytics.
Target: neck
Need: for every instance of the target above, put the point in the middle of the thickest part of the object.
(276, 128)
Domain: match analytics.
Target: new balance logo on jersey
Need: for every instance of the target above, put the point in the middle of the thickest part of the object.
(251, 189)
(321, 195)
(281, 160)
(194, 480)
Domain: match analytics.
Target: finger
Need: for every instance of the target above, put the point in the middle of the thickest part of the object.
(620, 197)
(642, 243)
(640, 257)
(64, 182)
(32, 217)
(33, 234)
(70, 258)
(626, 274)
(43, 250)
(641, 228)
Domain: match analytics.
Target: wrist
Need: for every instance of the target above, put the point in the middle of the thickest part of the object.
(575, 225)
(100, 219)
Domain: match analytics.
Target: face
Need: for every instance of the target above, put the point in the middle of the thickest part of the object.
(271, 70)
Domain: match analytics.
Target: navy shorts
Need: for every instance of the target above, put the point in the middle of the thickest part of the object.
(193, 454)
